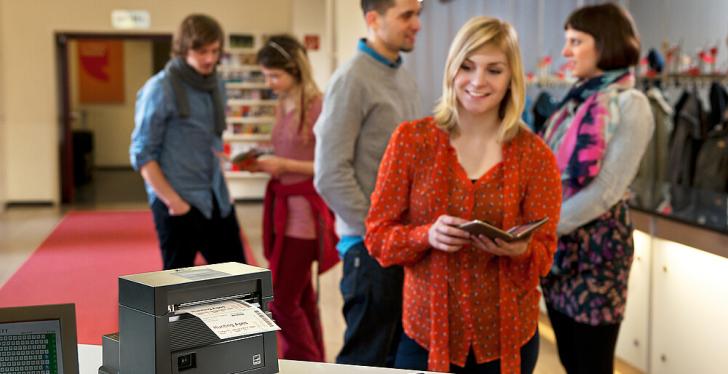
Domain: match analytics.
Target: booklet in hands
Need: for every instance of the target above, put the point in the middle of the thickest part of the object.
(247, 159)
(477, 227)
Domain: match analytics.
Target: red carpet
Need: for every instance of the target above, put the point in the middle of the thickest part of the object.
(80, 263)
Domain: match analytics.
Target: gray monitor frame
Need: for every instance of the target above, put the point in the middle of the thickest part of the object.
(64, 313)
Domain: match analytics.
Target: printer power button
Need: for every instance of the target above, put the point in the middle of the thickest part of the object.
(187, 361)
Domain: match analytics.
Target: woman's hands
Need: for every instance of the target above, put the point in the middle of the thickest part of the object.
(444, 235)
(273, 165)
(500, 247)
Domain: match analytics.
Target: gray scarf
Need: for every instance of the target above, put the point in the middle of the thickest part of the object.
(179, 71)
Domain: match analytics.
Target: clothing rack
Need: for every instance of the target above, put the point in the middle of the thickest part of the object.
(678, 80)
(668, 79)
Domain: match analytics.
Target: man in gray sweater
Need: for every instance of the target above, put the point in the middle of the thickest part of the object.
(365, 101)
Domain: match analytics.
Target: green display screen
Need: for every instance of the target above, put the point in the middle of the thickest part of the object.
(31, 347)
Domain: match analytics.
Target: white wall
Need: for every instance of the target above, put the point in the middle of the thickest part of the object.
(310, 17)
(31, 115)
(339, 23)
(112, 124)
(349, 28)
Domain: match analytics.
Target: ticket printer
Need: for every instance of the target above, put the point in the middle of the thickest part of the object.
(157, 337)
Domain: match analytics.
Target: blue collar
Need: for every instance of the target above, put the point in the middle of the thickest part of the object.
(362, 46)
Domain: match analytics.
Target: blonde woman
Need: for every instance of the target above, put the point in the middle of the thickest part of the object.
(470, 303)
(297, 224)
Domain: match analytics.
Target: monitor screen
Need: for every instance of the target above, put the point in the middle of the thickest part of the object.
(31, 347)
(38, 339)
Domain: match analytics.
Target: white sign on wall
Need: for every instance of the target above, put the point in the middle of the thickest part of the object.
(130, 19)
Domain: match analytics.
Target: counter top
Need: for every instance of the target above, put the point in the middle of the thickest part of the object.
(689, 234)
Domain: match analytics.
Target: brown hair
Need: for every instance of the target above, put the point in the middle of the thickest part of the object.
(614, 33)
(380, 6)
(288, 54)
(196, 31)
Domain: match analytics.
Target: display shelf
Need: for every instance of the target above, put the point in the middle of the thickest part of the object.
(238, 68)
(250, 115)
(246, 85)
(250, 120)
(246, 137)
(252, 102)
(246, 175)
(246, 186)
(241, 51)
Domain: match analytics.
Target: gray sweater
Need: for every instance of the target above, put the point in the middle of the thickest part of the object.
(364, 103)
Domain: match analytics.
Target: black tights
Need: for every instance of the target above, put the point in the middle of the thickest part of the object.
(584, 349)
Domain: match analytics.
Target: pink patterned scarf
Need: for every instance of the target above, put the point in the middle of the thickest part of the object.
(578, 132)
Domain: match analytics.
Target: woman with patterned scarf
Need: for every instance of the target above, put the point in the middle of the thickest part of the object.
(598, 135)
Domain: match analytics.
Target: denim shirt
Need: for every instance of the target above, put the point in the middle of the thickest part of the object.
(184, 147)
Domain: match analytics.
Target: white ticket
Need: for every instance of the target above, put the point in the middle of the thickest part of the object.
(231, 318)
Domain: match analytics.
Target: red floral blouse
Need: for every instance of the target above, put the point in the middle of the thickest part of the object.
(470, 298)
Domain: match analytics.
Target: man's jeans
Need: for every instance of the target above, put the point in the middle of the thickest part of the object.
(372, 309)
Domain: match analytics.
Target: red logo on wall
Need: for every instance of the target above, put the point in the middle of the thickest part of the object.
(101, 71)
(311, 42)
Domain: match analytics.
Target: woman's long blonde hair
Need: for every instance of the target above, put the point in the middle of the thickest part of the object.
(476, 33)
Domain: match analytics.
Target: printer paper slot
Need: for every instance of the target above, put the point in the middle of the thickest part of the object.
(231, 318)
(251, 299)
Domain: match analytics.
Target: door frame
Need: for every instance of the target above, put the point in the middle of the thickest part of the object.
(65, 143)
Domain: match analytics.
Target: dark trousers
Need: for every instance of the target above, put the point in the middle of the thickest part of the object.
(411, 355)
(372, 310)
(180, 237)
(584, 348)
(294, 307)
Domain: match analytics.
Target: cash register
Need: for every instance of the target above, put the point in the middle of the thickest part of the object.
(157, 336)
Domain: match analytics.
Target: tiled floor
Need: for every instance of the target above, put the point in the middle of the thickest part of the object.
(22, 229)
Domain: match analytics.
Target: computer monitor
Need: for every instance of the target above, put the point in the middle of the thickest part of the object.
(38, 339)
